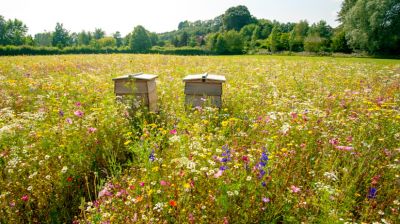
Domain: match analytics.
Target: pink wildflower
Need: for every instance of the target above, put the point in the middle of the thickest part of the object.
(78, 104)
(25, 198)
(78, 113)
(173, 132)
(141, 184)
(104, 192)
(218, 174)
(295, 189)
(92, 130)
(334, 141)
(68, 120)
(294, 115)
(265, 200)
(163, 183)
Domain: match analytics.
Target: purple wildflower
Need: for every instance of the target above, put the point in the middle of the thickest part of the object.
(223, 168)
(151, 156)
(372, 193)
(61, 113)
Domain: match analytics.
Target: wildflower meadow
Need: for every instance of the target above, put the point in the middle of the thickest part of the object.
(298, 139)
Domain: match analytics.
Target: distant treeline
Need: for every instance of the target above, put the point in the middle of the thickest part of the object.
(10, 50)
(371, 26)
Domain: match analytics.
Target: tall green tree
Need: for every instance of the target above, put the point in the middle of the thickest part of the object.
(84, 38)
(60, 36)
(118, 39)
(99, 33)
(346, 6)
(373, 25)
(237, 17)
(12, 32)
(183, 25)
(247, 31)
(339, 42)
(43, 39)
(266, 27)
(319, 37)
(297, 36)
(2, 30)
(273, 40)
(220, 45)
(234, 42)
(154, 39)
(184, 39)
(140, 40)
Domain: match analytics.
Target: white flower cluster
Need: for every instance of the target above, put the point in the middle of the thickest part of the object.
(321, 187)
(331, 176)
(159, 206)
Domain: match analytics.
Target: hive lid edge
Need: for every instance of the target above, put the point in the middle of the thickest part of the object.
(140, 76)
(212, 77)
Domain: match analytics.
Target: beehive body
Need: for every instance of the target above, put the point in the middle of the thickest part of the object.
(203, 88)
(141, 85)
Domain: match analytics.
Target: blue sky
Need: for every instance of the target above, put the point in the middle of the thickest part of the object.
(155, 15)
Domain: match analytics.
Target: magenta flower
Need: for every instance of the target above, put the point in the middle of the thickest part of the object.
(25, 198)
(141, 184)
(295, 189)
(334, 141)
(78, 104)
(173, 132)
(78, 113)
(163, 183)
(92, 130)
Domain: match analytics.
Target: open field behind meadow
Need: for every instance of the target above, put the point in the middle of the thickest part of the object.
(297, 139)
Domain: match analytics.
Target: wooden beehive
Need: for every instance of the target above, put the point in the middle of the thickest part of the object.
(201, 87)
(143, 86)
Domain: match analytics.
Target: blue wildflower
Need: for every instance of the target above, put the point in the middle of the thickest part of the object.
(264, 157)
(151, 156)
(263, 162)
(372, 193)
(223, 168)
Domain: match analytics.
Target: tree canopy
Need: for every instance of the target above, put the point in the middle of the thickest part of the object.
(237, 17)
(140, 40)
(371, 26)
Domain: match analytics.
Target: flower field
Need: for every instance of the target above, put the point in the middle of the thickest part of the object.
(298, 139)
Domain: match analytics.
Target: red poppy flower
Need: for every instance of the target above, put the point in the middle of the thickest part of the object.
(172, 203)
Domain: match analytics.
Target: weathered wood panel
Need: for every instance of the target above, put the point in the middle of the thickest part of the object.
(151, 85)
(129, 87)
(208, 89)
(195, 100)
(152, 96)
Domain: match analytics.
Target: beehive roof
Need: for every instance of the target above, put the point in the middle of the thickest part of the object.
(206, 76)
(141, 76)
